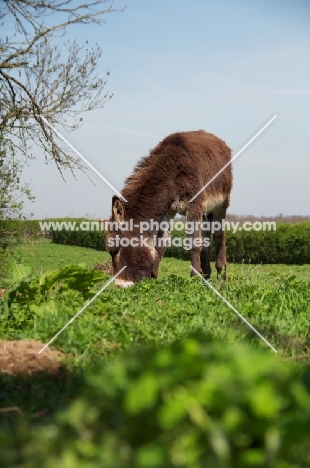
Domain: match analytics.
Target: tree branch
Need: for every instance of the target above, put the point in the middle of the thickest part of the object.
(55, 84)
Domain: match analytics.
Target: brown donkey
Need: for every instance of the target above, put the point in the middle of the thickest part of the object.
(161, 185)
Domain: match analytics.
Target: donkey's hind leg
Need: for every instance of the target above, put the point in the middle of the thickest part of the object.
(220, 240)
(194, 218)
(205, 255)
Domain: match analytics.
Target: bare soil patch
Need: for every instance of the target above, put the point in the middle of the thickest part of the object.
(21, 358)
(106, 267)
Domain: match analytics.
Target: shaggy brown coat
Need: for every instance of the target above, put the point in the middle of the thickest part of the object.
(161, 185)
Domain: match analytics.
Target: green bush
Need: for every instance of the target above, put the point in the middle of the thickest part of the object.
(289, 244)
(33, 295)
(79, 237)
(199, 404)
(21, 227)
(9, 237)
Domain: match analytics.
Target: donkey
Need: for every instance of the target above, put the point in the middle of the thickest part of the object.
(161, 185)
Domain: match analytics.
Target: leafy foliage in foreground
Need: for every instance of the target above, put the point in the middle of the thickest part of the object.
(197, 404)
(36, 296)
(33, 288)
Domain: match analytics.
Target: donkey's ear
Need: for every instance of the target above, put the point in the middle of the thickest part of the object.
(118, 209)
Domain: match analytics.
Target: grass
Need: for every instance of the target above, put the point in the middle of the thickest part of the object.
(43, 255)
(274, 298)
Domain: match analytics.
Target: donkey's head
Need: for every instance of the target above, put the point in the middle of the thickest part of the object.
(129, 248)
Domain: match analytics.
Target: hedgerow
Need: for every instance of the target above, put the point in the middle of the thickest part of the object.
(288, 244)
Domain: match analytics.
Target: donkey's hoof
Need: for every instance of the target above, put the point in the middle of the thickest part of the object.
(221, 275)
(206, 275)
(196, 272)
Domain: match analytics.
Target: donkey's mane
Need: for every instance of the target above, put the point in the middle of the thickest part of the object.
(137, 177)
(141, 171)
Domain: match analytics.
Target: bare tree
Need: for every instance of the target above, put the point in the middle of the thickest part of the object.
(40, 77)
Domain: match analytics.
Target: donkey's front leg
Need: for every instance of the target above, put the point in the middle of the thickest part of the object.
(206, 241)
(195, 241)
(160, 244)
(220, 241)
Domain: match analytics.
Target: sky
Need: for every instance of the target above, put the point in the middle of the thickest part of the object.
(225, 66)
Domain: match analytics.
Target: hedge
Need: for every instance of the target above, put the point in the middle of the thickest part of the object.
(81, 237)
(26, 227)
(288, 244)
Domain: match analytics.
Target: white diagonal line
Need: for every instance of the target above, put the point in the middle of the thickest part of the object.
(82, 157)
(83, 308)
(235, 310)
(236, 155)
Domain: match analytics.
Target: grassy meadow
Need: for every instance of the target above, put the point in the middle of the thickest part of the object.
(274, 298)
(155, 314)
(44, 255)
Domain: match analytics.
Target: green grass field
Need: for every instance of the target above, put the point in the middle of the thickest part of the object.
(156, 314)
(274, 298)
(44, 255)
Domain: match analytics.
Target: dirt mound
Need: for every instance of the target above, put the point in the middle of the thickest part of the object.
(106, 267)
(21, 358)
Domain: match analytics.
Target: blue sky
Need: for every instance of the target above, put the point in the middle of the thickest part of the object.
(227, 66)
